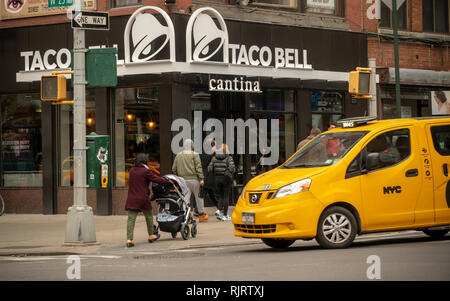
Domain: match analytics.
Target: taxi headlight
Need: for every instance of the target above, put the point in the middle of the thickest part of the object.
(296, 187)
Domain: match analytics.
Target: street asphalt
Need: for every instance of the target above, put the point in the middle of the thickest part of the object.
(32, 248)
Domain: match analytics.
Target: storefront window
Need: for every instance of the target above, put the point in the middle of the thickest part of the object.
(21, 153)
(136, 130)
(327, 107)
(65, 135)
(412, 104)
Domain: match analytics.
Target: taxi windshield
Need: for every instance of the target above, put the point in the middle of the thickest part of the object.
(324, 150)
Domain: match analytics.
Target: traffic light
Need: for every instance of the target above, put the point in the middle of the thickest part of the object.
(53, 87)
(359, 82)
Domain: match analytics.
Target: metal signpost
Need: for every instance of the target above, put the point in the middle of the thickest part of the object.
(80, 227)
(397, 70)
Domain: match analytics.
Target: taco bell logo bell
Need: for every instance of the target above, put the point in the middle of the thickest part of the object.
(208, 38)
(148, 36)
(143, 40)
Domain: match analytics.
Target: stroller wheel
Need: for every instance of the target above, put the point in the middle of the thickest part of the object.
(194, 229)
(185, 231)
(174, 234)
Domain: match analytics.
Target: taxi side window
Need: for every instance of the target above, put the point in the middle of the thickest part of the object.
(387, 149)
(441, 139)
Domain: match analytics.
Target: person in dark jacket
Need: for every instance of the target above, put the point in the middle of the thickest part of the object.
(222, 164)
(138, 200)
(210, 184)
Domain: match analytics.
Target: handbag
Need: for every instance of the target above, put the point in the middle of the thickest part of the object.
(201, 192)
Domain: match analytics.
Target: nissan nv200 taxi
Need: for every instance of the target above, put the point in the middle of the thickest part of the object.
(364, 176)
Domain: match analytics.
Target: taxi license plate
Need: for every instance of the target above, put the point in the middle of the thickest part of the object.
(248, 218)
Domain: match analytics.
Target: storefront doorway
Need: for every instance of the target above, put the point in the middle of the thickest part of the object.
(271, 104)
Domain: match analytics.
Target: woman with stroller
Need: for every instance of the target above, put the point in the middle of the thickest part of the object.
(222, 166)
(138, 200)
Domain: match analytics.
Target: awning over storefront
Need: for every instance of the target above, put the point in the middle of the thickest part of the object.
(415, 77)
(223, 69)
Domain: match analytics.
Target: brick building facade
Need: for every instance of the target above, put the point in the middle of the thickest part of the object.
(423, 52)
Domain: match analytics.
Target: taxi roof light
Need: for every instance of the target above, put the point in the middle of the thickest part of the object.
(355, 121)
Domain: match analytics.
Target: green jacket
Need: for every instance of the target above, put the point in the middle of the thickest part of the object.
(187, 165)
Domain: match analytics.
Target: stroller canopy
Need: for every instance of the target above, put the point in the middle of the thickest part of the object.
(181, 183)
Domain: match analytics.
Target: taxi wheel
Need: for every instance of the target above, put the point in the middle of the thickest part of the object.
(436, 234)
(336, 229)
(278, 243)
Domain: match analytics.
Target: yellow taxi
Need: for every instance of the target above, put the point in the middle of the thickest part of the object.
(364, 176)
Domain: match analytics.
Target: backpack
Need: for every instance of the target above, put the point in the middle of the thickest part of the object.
(228, 175)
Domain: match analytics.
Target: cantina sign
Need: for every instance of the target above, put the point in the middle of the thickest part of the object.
(235, 85)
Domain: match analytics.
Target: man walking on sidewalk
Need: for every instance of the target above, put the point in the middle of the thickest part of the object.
(187, 165)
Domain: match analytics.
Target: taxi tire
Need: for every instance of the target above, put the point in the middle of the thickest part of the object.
(436, 234)
(278, 243)
(321, 238)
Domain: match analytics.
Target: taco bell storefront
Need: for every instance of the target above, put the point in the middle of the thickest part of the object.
(195, 68)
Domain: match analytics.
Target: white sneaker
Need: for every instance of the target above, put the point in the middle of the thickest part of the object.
(221, 218)
(217, 213)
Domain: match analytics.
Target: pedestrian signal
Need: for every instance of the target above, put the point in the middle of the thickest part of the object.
(53, 87)
(359, 82)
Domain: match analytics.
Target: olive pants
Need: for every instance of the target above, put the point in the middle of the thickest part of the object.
(132, 215)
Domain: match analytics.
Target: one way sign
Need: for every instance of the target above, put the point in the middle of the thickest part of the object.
(90, 20)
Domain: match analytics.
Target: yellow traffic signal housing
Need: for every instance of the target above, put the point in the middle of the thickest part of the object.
(359, 82)
(53, 87)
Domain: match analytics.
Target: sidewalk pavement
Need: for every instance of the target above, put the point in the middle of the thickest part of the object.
(36, 234)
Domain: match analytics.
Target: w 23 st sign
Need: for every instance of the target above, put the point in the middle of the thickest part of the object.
(57, 3)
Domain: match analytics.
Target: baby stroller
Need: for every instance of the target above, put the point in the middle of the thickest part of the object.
(174, 213)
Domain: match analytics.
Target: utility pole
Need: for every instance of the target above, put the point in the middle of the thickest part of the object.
(372, 102)
(397, 70)
(80, 227)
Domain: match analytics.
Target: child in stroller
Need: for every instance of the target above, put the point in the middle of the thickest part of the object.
(174, 213)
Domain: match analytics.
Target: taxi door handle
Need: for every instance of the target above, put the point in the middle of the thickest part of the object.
(445, 167)
(412, 173)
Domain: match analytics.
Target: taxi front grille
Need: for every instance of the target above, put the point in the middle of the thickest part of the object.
(256, 229)
(255, 198)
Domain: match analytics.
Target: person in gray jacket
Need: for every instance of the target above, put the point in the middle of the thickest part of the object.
(222, 166)
(187, 165)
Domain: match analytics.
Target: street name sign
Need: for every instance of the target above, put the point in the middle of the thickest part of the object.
(90, 20)
(58, 3)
